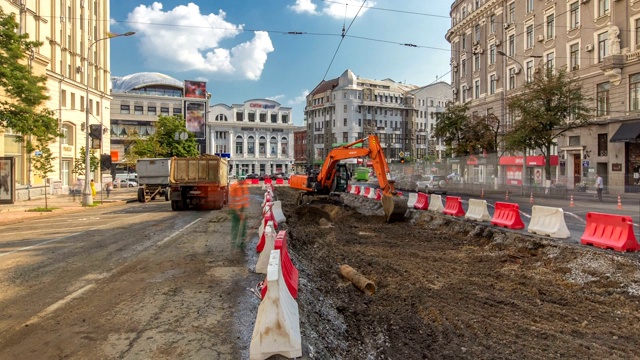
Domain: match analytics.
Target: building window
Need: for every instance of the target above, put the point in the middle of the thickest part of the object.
(512, 44)
(476, 62)
(492, 84)
(274, 118)
(512, 78)
(492, 24)
(64, 97)
(67, 135)
(492, 54)
(252, 117)
(262, 146)
(464, 43)
(549, 60)
(529, 36)
(274, 146)
(529, 6)
(603, 7)
(345, 137)
(550, 26)
(463, 68)
(344, 122)
(574, 15)
(634, 92)
(239, 145)
(239, 116)
(345, 109)
(251, 146)
(574, 56)
(151, 110)
(603, 145)
(512, 13)
(603, 99)
(284, 145)
(476, 88)
(138, 110)
(65, 173)
(177, 111)
(124, 109)
(603, 46)
(263, 117)
(476, 33)
(637, 36)
(285, 119)
(164, 111)
(529, 73)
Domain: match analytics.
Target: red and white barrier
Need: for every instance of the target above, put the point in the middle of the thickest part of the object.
(269, 238)
(453, 206)
(366, 192)
(372, 193)
(609, 231)
(412, 199)
(422, 202)
(478, 210)
(435, 203)
(277, 327)
(548, 221)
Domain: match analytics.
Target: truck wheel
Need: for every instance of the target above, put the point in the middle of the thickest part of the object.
(166, 194)
(141, 197)
(175, 205)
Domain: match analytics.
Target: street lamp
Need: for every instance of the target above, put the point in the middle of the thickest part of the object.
(87, 197)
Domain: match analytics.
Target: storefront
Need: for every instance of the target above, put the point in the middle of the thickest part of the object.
(512, 170)
(628, 133)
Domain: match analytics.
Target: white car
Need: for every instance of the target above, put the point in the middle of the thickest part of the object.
(432, 183)
(121, 183)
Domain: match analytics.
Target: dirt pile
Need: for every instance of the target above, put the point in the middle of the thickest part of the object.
(450, 289)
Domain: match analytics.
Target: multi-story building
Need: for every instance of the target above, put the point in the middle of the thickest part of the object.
(342, 110)
(69, 31)
(300, 149)
(497, 45)
(257, 135)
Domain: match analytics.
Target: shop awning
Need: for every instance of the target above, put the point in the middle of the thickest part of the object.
(532, 160)
(627, 132)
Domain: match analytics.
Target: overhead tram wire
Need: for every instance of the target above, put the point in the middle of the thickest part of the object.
(344, 33)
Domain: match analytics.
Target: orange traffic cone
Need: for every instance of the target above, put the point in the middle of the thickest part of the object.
(571, 204)
(531, 198)
(619, 203)
(482, 193)
(506, 197)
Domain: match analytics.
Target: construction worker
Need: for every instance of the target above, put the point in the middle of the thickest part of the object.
(238, 202)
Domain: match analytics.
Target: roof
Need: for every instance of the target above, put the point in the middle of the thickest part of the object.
(141, 80)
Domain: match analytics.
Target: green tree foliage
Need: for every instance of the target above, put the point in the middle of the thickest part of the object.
(164, 143)
(548, 106)
(79, 163)
(43, 165)
(21, 107)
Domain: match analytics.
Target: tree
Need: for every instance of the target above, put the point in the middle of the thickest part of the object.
(548, 106)
(164, 142)
(20, 108)
(79, 166)
(43, 165)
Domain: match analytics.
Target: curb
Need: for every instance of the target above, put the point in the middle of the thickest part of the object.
(28, 215)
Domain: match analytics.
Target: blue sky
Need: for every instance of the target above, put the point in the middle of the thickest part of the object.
(240, 47)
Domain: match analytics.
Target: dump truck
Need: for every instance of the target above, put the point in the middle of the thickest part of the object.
(199, 182)
(153, 177)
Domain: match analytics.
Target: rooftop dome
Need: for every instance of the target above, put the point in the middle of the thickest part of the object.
(141, 80)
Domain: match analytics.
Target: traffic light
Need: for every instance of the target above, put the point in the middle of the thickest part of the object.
(95, 131)
(402, 160)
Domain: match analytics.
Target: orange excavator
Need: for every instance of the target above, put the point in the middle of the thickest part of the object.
(334, 177)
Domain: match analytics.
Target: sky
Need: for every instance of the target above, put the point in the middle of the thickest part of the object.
(281, 49)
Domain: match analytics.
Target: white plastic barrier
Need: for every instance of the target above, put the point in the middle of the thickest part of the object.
(353, 189)
(362, 189)
(276, 208)
(372, 193)
(413, 197)
(277, 328)
(269, 240)
(435, 203)
(478, 210)
(548, 221)
(268, 197)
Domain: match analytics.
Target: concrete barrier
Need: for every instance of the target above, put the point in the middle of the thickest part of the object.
(412, 200)
(269, 234)
(276, 208)
(478, 210)
(422, 203)
(435, 203)
(548, 221)
(277, 327)
(609, 231)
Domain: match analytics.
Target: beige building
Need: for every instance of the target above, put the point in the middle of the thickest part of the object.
(68, 29)
(497, 45)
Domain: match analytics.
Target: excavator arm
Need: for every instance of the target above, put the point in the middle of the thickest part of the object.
(324, 181)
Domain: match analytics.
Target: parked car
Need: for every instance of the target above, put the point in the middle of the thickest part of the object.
(431, 184)
(263, 176)
(252, 176)
(122, 183)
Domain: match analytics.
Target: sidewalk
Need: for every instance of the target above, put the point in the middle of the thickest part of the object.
(19, 211)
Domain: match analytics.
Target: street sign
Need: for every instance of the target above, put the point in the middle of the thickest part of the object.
(401, 153)
(585, 163)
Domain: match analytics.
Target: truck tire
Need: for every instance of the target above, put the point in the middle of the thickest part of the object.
(141, 195)
(175, 204)
(166, 194)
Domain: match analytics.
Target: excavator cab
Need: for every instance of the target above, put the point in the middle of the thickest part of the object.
(341, 180)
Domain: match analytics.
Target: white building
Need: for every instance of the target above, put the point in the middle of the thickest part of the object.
(257, 136)
(429, 101)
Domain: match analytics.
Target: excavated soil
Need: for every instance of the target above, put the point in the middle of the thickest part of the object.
(450, 289)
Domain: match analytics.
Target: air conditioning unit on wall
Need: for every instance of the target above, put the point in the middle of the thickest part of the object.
(540, 37)
(588, 47)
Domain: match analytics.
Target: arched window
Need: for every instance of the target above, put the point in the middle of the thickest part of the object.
(273, 145)
(251, 145)
(239, 145)
(284, 146)
(221, 117)
(67, 132)
(262, 146)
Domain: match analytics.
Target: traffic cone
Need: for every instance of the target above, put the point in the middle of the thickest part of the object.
(506, 197)
(531, 198)
(571, 204)
(482, 193)
(619, 203)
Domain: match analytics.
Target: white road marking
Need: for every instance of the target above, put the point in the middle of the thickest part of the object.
(177, 232)
(39, 244)
(58, 304)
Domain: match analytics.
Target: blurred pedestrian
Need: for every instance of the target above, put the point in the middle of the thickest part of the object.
(599, 186)
(109, 188)
(238, 203)
(93, 188)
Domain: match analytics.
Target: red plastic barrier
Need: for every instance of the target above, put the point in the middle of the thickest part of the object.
(453, 206)
(356, 190)
(507, 215)
(348, 188)
(255, 181)
(268, 216)
(279, 181)
(378, 194)
(367, 191)
(289, 272)
(268, 181)
(399, 193)
(423, 202)
(609, 231)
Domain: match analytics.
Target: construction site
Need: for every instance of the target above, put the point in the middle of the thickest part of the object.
(446, 288)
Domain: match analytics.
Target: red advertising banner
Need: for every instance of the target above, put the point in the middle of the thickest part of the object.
(195, 89)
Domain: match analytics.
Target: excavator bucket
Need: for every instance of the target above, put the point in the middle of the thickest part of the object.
(394, 207)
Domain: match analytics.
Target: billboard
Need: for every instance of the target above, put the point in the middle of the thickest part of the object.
(195, 89)
(195, 118)
(7, 180)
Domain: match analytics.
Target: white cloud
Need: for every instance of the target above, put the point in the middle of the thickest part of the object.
(276, 97)
(183, 39)
(300, 99)
(304, 6)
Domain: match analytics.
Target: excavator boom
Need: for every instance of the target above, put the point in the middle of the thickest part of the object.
(330, 177)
